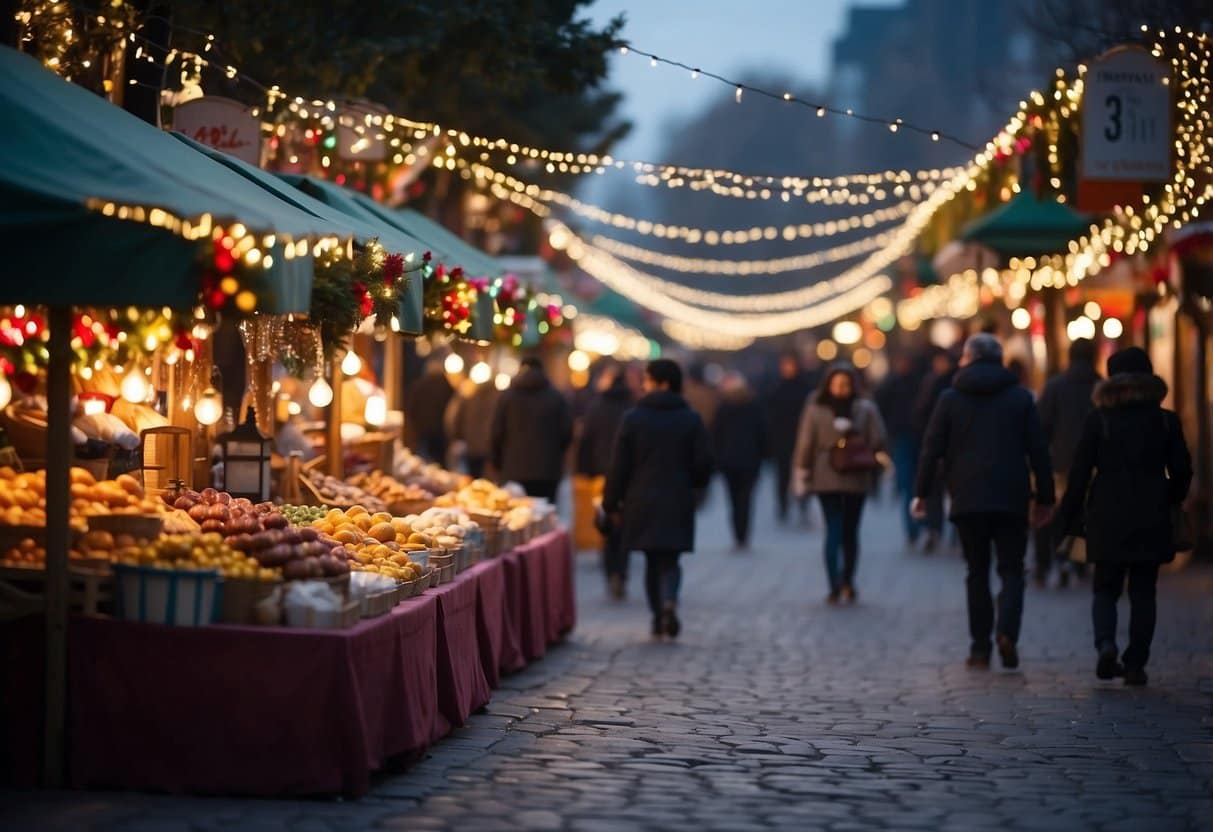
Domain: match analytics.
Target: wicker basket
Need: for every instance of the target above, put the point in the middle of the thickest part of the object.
(403, 508)
(239, 599)
(26, 431)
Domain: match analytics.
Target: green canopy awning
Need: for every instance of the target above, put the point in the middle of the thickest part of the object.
(455, 250)
(611, 304)
(343, 201)
(1027, 226)
(64, 148)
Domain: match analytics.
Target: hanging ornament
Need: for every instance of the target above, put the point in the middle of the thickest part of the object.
(320, 394)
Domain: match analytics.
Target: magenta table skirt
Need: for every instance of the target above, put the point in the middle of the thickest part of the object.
(274, 711)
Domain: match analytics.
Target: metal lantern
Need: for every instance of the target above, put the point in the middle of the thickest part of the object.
(246, 461)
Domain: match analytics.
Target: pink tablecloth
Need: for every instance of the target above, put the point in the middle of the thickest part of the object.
(462, 687)
(276, 711)
(262, 711)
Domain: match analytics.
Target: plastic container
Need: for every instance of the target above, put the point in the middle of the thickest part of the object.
(178, 597)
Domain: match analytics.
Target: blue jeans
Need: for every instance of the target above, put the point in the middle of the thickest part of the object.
(662, 579)
(842, 511)
(905, 469)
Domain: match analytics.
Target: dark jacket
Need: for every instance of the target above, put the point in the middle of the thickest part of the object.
(426, 404)
(661, 457)
(1142, 470)
(1064, 405)
(472, 420)
(784, 405)
(739, 434)
(986, 432)
(932, 386)
(895, 397)
(532, 429)
(596, 448)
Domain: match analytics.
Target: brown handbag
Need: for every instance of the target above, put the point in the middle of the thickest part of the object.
(851, 454)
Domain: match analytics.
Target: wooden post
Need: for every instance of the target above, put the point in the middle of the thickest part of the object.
(336, 464)
(392, 359)
(58, 502)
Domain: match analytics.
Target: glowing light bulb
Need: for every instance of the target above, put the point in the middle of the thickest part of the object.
(209, 408)
(502, 382)
(847, 332)
(1021, 318)
(135, 388)
(579, 361)
(480, 372)
(1113, 329)
(351, 365)
(1092, 310)
(375, 412)
(320, 394)
(93, 407)
(6, 391)
(453, 363)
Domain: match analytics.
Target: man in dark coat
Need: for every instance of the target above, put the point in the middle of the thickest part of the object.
(1141, 469)
(785, 403)
(595, 453)
(739, 439)
(425, 407)
(532, 428)
(661, 457)
(895, 399)
(985, 435)
(1064, 405)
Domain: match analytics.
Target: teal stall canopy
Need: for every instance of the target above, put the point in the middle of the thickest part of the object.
(456, 250)
(1027, 226)
(66, 152)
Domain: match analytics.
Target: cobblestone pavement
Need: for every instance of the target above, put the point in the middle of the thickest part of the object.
(776, 711)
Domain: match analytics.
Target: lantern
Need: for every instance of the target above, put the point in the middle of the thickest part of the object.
(246, 461)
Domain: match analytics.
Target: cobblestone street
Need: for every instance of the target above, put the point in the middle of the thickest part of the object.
(774, 710)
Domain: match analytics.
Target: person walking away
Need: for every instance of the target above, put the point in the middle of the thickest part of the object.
(703, 399)
(470, 420)
(595, 450)
(1142, 471)
(895, 399)
(739, 440)
(838, 417)
(985, 436)
(785, 404)
(425, 407)
(661, 457)
(933, 385)
(532, 429)
(1064, 405)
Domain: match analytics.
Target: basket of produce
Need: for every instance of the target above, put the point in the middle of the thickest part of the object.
(376, 594)
(304, 515)
(321, 489)
(155, 595)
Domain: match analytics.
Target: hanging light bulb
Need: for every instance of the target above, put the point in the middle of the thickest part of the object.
(6, 391)
(375, 413)
(320, 394)
(209, 408)
(502, 382)
(480, 372)
(351, 365)
(135, 388)
(453, 363)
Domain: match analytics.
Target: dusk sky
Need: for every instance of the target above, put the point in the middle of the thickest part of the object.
(722, 35)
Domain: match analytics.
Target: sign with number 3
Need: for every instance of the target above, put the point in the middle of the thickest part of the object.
(1126, 118)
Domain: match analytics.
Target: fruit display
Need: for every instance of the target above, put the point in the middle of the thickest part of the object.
(339, 492)
(303, 515)
(203, 551)
(377, 542)
(483, 497)
(410, 469)
(221, 513)
(447, 527)
(23, 497)
(388, 489)
(301, 553)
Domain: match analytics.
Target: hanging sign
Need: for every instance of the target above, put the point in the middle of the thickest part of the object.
(220, 123)
(1126, 118)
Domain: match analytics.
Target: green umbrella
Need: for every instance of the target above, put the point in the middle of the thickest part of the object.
(1027, 226)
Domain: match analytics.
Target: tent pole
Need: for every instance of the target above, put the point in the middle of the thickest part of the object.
(58, 500)
(335, 461)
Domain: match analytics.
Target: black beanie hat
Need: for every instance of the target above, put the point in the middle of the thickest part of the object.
(1131, 360)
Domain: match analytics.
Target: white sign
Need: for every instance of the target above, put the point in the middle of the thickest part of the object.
(1126, 118)
(222, 124)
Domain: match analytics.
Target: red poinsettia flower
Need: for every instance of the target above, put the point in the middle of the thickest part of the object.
(365, 304)
(427, 257)
(393, 267)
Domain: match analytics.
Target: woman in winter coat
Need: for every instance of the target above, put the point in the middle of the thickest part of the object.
(835, 414)
(1141, 470)
(661, 457)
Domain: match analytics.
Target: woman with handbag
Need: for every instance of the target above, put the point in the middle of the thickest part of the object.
(836, 458)
(1130, 476)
